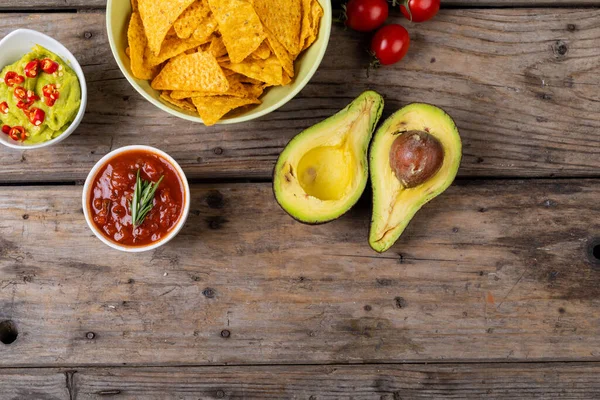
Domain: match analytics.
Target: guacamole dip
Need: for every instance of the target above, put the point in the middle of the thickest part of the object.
(39, 97)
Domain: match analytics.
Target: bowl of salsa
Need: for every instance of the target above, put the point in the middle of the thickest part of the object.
(136, 198)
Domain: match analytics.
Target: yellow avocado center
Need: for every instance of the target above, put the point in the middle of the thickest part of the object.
(326, 172)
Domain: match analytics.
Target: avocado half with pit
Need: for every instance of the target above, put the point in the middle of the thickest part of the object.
(323, 171)
(414, 157)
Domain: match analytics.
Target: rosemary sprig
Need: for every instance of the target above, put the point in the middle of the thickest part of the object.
(143, 199)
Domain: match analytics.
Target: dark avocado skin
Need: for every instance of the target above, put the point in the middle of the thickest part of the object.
(444, 115)
(377, 111)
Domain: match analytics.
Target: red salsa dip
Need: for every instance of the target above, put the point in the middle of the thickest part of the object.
(112, 191)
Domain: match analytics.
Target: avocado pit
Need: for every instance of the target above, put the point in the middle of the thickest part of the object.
(415, 156)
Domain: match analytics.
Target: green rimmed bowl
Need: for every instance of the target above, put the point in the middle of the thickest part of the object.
(117, 22)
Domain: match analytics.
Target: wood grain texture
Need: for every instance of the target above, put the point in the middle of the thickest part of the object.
(490, 271)
(381, 382)
(358, 382)
(523, 107)
(33, 384)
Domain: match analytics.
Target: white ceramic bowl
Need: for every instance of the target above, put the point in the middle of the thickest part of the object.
(118, 13)
(20, 42)
(87, 187)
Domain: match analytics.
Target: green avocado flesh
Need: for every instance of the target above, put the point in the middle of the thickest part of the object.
(323, 171)
(394, 205)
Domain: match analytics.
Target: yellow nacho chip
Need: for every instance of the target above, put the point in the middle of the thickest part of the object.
(262, 52)
(134, 6)
(284, 19)
(137, 46)
(158, 18)
(206, 28)
(268, 71)
(239, 25)
(212, 109)
(191, 19)
(316, 14)
(286, 80)
(217, 47)
(197, 72)
(171, 47)
(246, 79)
(282, 54)
(254, 91)
(183, 104)
(236, 89)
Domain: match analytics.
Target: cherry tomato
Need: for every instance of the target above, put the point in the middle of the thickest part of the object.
(420, 10)
(51, 92)
(36, 116)
(20, 93)
(17, 133)
(32, 68)
(366, 15)
(6, 129)
(4, 107)
(49, 66)
(390, 44)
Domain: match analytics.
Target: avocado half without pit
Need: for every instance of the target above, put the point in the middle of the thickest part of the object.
(323, 171)
(414, 157)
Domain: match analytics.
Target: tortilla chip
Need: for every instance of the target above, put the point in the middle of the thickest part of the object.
(128, 52)
(229, 72)
(197, 72)
(254, 91)
(268, 71)
(316, 14)
(262, 52)
(206, 28)
(286, 79)
(171, 47)
(158, 18)
(284, 57)
(217, 47)
(191, 19)
(245, 79)
(183, 104)
(284, 19)
(236, 89)
(239, 25)
(134, 6)
(212, 109)
(137, 46)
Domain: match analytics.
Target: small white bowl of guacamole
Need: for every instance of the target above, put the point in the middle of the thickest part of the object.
(43, 93)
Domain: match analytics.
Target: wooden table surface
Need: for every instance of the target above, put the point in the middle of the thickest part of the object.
(493, 291)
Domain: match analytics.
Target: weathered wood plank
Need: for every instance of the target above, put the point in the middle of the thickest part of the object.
(523, 108)
(33, 384)
(490, 271)
(383, 381)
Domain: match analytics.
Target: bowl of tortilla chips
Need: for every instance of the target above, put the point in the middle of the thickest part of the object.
(218, 61)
